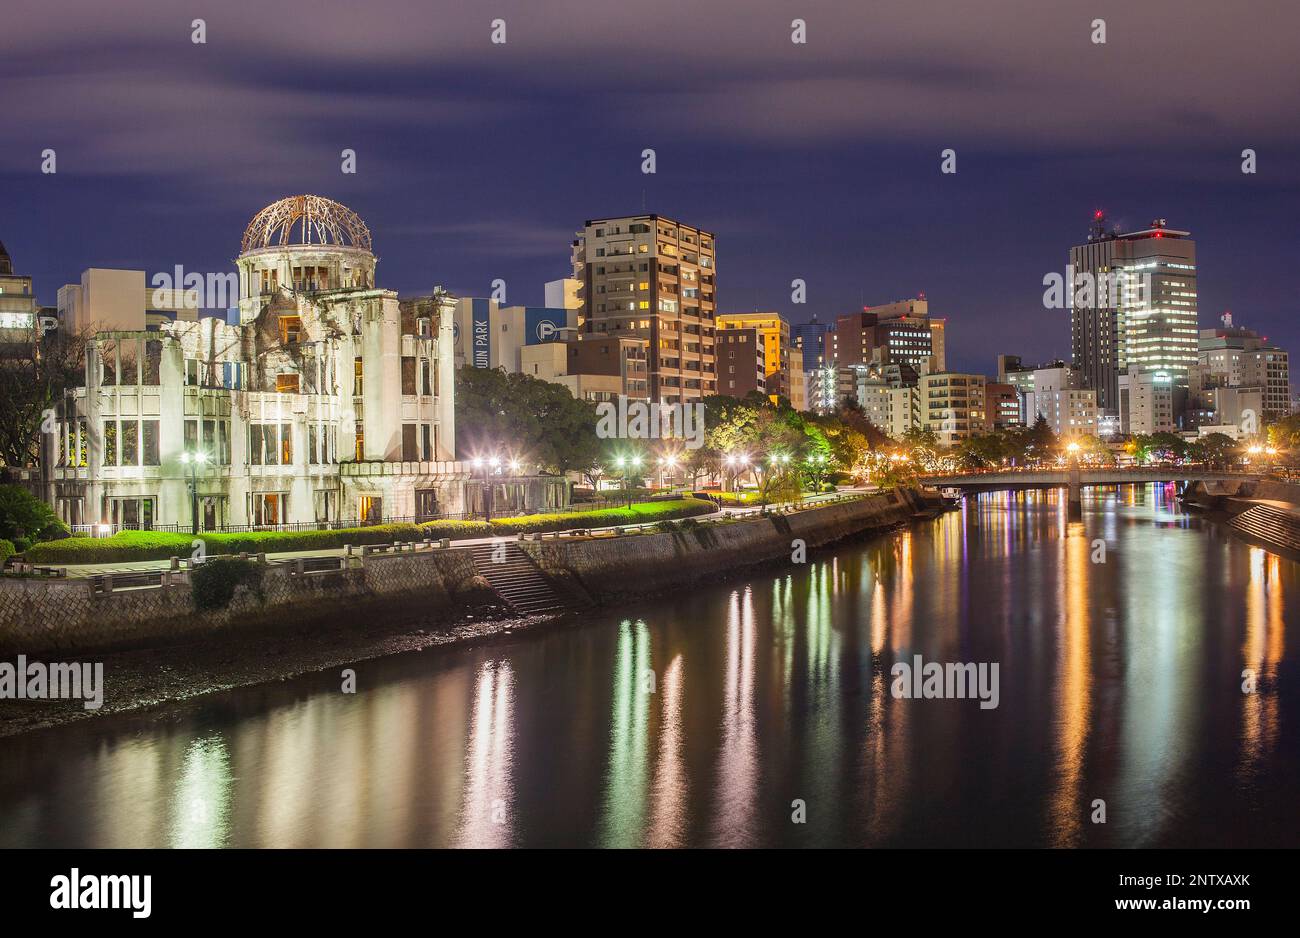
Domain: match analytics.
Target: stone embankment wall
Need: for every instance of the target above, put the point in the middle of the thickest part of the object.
(39, 615)
(45, 615)
(607, 568)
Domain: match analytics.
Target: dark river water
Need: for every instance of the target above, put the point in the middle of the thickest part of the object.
(725, 715)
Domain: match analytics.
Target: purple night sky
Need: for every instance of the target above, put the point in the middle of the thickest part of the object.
(817, 161)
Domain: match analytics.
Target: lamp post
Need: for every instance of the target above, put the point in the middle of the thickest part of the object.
(492, 464)
(623, 464)
(667, 467)
(194, 460)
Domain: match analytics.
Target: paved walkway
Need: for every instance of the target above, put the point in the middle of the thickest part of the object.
(149, 566)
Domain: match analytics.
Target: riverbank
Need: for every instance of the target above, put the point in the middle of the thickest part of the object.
(456, 611)
(1265, 513)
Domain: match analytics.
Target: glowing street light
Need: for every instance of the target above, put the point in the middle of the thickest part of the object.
(194, 460)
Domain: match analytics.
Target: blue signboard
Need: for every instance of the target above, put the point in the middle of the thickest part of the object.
(481, 339)
(542, 324)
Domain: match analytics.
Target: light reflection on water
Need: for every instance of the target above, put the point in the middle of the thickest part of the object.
(715, 716)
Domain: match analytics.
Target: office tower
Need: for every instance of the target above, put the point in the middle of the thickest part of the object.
(1137, 311)
(652, 277)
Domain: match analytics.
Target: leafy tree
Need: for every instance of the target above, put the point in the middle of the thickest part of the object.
(24, 516)
(1213, 449)
(982, 451)
(538, 422)
(33, 384)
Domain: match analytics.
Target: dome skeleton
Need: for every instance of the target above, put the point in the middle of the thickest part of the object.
(320, 221)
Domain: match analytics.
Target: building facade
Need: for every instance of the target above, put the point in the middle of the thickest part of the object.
(18, 311)
(742, 361)
(597, 368)
(1061, 397)
(1138, 306)
(330, 401)
(775, 332)
(952, 405)
(655, 278)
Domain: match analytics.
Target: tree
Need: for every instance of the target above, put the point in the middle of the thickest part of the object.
(23, 516)
(982, 451)
(1214, 449)
(517, 415)
(32, 387)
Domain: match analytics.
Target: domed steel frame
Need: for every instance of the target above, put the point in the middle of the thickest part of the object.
(318, 220)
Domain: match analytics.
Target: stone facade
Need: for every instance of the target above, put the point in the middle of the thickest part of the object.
(330, 401)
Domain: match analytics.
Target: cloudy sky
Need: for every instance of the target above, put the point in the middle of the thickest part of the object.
(819, 161)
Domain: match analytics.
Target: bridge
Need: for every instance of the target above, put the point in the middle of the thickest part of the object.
(986, 480)
(1075, 478)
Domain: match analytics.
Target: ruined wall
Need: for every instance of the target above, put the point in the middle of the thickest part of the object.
(39, 615)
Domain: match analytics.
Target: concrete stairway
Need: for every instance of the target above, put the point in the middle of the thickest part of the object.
(516, 579)
(1271, 526)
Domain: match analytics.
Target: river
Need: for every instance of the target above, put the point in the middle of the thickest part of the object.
(759, 712)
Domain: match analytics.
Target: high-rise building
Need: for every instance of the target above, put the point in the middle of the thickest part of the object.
(652, 277)
(798, 389)
(775, 332)
(810, 341)
(1133, 307)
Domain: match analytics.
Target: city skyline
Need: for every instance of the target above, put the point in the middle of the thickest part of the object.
(468, 173)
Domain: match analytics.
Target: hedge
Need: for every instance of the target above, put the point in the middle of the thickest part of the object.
(642, 513)
(6, 551)
(157, 545)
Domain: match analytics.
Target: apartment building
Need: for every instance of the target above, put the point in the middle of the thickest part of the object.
(775, 332)
(742, 361)
(1062, 398)
(597, 368)
(655, 278)
(952, 405)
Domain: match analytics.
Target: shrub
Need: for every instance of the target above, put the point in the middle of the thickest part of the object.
(6, 550)
(24, 515)
(603, 517)
(456, 529)
(125, 545)
(157, 545)
(213, 582)
(21, 545)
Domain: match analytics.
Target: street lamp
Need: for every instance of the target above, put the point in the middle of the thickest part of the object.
(491, 464)
(623, 464)
(194, 460)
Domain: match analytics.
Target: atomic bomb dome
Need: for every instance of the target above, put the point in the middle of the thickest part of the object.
(306, 220)
(307, 244)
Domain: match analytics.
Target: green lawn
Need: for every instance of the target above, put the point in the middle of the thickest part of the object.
(156, 545)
